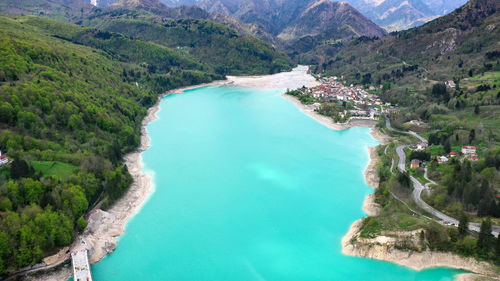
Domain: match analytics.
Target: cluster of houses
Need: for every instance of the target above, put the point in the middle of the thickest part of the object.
(331, 90)
(4, 159)
(470, 152)
(467, 152)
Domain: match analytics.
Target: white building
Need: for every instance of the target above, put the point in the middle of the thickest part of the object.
(450, 84)
(422, 145)
(4, 159)
(442, 159)
(468, 149)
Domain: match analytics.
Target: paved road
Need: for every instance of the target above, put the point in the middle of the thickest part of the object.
(418, 187)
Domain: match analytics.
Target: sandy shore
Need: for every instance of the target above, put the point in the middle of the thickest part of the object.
(327, 121)
(383, 248)
(279, 81)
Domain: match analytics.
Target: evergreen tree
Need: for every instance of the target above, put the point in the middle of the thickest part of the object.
(476, 109)
(483, 241)
(472, 135)
(463, 225)
(20, 169)
(447, 146)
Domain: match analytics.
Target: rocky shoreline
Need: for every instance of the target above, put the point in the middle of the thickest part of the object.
(383, 247)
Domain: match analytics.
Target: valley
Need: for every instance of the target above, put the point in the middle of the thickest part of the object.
(81, 80)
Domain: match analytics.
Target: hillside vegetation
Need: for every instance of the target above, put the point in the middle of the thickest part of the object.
(71, 104)
(214, 45)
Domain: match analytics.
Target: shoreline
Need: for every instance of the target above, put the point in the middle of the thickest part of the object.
(382, 247)
(105, 226)
(328, 122)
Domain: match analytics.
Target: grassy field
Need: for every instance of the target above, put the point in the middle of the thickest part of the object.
(54, 168)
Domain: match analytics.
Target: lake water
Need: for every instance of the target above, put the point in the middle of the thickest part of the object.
(247, 188)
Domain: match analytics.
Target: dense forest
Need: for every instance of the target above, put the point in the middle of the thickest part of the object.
(71, 104)
(214, 45)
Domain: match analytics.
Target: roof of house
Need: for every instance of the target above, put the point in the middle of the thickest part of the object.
(4, 156)
(468, 147)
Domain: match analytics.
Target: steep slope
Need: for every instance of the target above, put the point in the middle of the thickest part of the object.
(291, 20)
(65, 10)
(214, 45)
(324, 17)
(403, 14)
(194, 12)
(70, 97)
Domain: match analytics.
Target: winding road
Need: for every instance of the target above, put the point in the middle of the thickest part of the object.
(418, 187)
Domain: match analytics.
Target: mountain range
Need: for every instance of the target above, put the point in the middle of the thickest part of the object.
(403, 14)
(390, 14)
(291, 20)
(284, 24)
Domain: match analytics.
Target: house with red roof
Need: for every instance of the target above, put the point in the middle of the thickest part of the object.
(468, 149)
(4, 159)
(415, 163)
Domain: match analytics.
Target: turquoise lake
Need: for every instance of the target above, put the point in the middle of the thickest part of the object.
(247, 187)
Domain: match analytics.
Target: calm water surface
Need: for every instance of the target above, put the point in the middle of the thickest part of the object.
(248, 188)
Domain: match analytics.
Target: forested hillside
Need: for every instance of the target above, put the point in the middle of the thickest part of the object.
(212, 44)
(71, 104)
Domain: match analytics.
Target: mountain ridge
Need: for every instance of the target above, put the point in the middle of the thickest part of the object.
(393, 15)
(291, 20)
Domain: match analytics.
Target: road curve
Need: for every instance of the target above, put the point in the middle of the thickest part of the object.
(418, 187)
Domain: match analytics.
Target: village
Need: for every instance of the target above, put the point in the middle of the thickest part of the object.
(355, 101)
